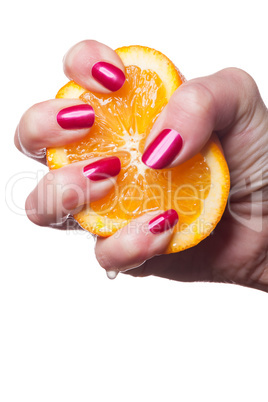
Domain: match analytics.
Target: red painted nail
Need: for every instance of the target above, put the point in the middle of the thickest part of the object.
(75, 117)
(163, 150)
(164, 221)
(108, 75)
(103, 168)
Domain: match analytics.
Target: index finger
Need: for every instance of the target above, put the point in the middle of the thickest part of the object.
(144, 237)
(94, 66)
(224, 102)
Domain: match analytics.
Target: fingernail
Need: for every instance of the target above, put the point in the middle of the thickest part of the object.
(103, 168)
(163, 150)
(75, 117)
(164, 221)
(108, 75)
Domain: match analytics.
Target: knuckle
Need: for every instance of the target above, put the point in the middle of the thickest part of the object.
(194, 98)
(245, 81)
(249, 95)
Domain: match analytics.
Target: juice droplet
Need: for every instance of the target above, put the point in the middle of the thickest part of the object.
(112, 274)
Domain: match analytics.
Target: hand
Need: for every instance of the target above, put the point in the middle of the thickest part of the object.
(227, 103)
(62, 121)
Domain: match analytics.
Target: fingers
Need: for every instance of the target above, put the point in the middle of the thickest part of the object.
(53, 123)
(66, 190)
(62, 121)
(140, 240)
(196, 109)
(94, 66)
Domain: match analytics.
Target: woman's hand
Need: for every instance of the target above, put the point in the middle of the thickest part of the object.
(62, 121)
(227, 103)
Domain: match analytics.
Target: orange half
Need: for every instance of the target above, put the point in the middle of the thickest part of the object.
(197, 190)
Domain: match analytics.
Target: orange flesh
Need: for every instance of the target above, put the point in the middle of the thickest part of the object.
(121, 126)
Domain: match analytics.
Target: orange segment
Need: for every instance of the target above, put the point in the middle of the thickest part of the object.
(197, 189)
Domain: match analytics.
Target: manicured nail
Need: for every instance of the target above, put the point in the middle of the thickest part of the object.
(163, 150)
(75, 117)
(103, 168)
(164, 221)
(108, 75)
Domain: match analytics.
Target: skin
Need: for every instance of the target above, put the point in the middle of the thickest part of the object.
(227, 103)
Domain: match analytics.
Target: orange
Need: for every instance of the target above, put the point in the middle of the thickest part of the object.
(197, 190)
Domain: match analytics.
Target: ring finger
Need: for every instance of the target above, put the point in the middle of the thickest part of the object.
(65, 190)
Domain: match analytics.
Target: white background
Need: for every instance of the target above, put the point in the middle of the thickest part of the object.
(67, 333)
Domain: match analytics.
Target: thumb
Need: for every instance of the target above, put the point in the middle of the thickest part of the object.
(196, 109)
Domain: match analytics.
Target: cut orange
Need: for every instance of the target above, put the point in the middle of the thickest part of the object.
(197, 190)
